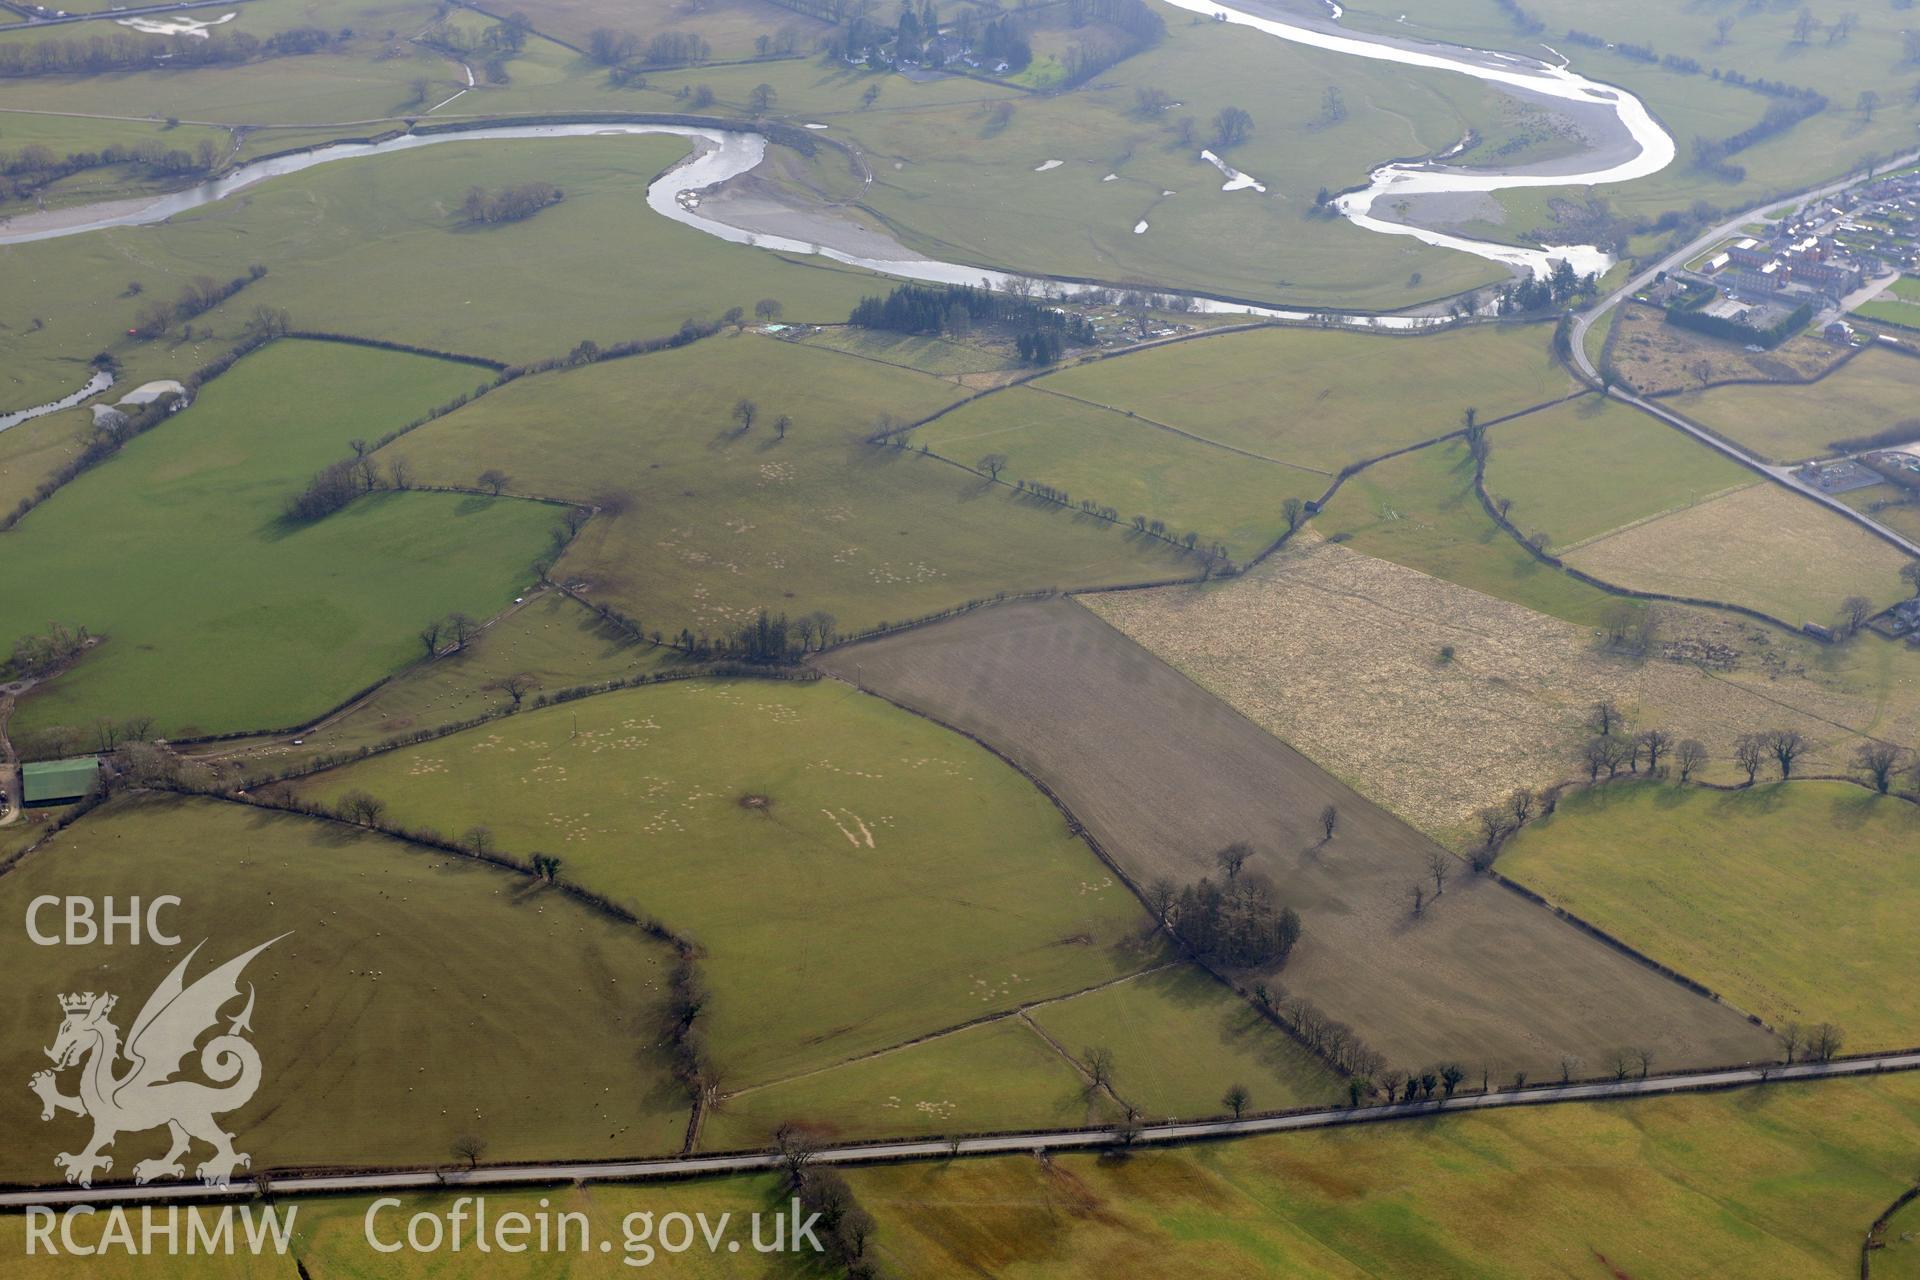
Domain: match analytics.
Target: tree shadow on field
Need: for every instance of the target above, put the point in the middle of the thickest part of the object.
(1856, 808)
(1674, 797)
(334, 835)
(1762, 797)
(1588, 407)
(975, 492)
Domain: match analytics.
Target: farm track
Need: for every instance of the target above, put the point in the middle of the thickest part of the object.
(1161, 773)
(1005, 1143)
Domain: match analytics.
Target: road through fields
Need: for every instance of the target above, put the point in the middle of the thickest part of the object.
(980, 1145)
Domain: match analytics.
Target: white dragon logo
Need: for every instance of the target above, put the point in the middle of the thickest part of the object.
(146, 1096)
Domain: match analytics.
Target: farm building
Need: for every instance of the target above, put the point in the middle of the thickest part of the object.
(59, 781)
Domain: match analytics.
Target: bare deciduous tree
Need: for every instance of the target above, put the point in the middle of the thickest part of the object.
(1235, 1099)
(470, 1147)
(795, 1152)
(1594, 754)
(1786, 746)
(1234, 857)
(1493, 824)
(516, 686)
(1655, 743)
(1440, 867)
(1231, 127)
(1878, 762)
(1097, 1060)
(1604, 717)
(1690, 756)
(461, 627)
(1750, 752)
(1329, 819)
(361, 808)
(1854, 612)
(494, 480)
(993, 464)
(744, 412)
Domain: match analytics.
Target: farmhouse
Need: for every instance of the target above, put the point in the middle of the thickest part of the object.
(50, 782)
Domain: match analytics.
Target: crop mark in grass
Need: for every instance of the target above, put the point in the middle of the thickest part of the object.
(865, 835)
(944, 1032)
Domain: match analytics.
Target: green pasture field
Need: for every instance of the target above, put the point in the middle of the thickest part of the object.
(1579, 470)
(64, 134)
(1419, 510)
(1901, 517)
(1906, 288)
(971, 897)
(1180, 1039)
(1320, 399)
(373, 247)
(1901, 1258)
(1784, 423)
(729, 26)
(805, 91)
(37, 448)
(1000, 1075)
(940, 356)
(1123, 462)
(411, 998)
(368, 79)
(553, 639)
(703, 524)
(1597, 335)
(1890, 310)
(1787, 900)
(1771, 1181)
(334, 1242)
(33, 824)
(218, 616)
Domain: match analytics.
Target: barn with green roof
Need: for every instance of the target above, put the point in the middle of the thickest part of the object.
(48, 782)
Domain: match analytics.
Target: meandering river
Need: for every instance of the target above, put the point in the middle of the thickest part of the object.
(1635, 146)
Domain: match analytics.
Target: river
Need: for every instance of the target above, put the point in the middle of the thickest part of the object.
(93, 386)
(1637, 148)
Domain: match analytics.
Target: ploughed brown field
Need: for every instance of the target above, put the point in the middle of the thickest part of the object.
(1164, 774)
